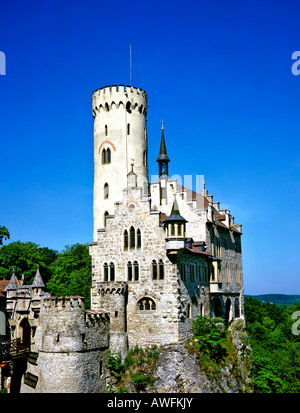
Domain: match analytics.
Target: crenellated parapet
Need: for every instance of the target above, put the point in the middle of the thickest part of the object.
(119, 97)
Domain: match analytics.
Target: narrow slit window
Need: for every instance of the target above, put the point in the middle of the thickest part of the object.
(128, 128)
(161, 270)
(139, 238)
(106, 190)
(125, 239)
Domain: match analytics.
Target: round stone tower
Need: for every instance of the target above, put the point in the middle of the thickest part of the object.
(120, 143)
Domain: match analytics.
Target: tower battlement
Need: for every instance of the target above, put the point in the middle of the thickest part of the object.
(119, 97)
(58, 303)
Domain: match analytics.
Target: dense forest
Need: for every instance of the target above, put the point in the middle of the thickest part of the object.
(274, 338)
(273, 331)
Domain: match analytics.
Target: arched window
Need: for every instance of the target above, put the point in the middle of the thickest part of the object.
(161, 270)
(132, 237)
(112, 271)
(125, 239)
(108, 155)
(154, 270)
(104, 156)
(136, 270)
(146, 304)
(236, 308)
(237, 275)
(129, 271)
(212, 272)
(105, 269)
(105, 216)
(106, 190)
(227, 274)
(218, 309)
(139, 238)
(173, 229)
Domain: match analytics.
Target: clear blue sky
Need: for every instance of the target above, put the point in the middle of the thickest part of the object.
(217, 72)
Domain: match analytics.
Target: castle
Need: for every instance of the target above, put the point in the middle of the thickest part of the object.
(161, 255)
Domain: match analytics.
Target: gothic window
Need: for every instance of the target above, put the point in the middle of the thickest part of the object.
(227, 274)
(136, 270)
(105, 268)
(154, 270)
(212, 273)
(105, 217)
(108, 155)
(106, 190)
(146, 304)
(112, 271)
(237, 275)
(125, 239)
(218, 248)
(183, 272)
(236, 308)
(161, 270)
(129, 271)
(139, 238)
(192, 272)
(132, 237)
(179, 230)
(173, 229)
(104, 156)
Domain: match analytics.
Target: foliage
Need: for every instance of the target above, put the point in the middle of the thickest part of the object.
(275, 349)
(24, 257)
(210, 336)
(71, 272)
(3, 234)
(135, 373)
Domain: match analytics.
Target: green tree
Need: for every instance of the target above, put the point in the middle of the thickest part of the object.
(24, 257)
(275, 349)
(71, 273)
(3, 234)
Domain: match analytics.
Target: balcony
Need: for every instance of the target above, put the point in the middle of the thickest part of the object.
(13, 349)
(216, 287)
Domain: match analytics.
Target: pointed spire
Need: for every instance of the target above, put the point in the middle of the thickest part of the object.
(163, 158)
(13, 283)
(175, 213)
(163, 150)
(38, 281)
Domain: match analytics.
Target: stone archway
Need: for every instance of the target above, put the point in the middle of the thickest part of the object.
(25, 332)
(228, 313)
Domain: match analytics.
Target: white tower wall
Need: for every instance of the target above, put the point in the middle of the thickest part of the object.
(120, 126)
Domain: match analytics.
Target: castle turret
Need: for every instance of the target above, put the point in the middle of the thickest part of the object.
(175, 230)
(120, 138)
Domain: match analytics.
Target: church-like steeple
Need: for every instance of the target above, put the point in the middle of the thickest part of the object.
(163, 158)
